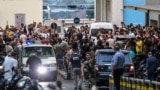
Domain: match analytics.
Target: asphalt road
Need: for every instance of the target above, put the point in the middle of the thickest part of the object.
(66, 84)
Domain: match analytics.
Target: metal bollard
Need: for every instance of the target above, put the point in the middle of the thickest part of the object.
(137, 84)
(111, 83)
(157, 86)
(149, 85)
(140, 84)
(154, 83)
(129, 83)
(121, 83)
(144, 86)
(125, 83)
(133, 84)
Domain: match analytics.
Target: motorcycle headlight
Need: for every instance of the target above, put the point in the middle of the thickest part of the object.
(1, 67)
(21, 83)
(42, 70)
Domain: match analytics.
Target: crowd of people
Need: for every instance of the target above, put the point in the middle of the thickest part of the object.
(77, 44)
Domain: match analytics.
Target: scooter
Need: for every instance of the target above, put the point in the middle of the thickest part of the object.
(26, 83)
(3, 81)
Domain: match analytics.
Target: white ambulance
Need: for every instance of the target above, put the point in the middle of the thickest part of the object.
(48, 70)
(99, 27)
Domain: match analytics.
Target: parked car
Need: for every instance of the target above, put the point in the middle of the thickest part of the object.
(103, 65)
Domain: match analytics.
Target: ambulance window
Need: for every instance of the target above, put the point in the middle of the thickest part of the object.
(41, 51)
(94, 32)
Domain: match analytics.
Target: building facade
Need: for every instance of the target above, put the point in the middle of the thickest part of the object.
(109, 11)
(150, 12)
(15, 12)
(133, 16)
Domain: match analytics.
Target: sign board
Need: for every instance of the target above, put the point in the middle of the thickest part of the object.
(19, 19)
(76, 20)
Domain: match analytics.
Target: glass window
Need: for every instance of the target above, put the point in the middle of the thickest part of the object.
(68, 9)
(94, 32)
(41, 51)
(104, 57)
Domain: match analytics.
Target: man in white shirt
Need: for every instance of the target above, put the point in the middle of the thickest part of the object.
(111, 41)
(8, 47)
(23, 38)
(10, 64)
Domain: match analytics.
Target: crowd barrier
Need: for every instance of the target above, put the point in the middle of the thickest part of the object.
(128, 83)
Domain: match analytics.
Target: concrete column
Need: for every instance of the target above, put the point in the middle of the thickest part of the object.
(104, 10)
(159, 20)
(101, 10)
(116, 11)
(98, 10)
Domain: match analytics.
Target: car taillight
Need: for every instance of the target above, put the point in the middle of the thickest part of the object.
(97, 67)
(131, 69)
(158, 75)
(23, 65)
(56, 64)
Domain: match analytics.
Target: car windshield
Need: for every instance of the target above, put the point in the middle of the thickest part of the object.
(41, 51)
(106, 58)
(94, 32)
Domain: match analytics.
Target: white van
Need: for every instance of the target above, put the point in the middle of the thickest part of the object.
(102, 27)
(60, 28)
(48, 70)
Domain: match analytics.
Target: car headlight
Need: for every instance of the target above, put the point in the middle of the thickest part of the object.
(1, 67)
(42, 70)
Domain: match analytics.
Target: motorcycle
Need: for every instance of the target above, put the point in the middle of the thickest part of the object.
(13, 82)
(26, 83)
(3, 81)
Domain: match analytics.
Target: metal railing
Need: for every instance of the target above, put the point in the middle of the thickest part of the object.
(128, 83)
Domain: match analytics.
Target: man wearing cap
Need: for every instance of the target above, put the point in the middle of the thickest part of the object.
(117, 65)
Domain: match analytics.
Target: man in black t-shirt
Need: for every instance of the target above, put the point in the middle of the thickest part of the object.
(34, 62)
(75, 62)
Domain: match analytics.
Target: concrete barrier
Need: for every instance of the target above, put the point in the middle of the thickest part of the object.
(157, 86)
(130, 83)
(111, 83)
(127, 83)
(133, 84)
(123, 83)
